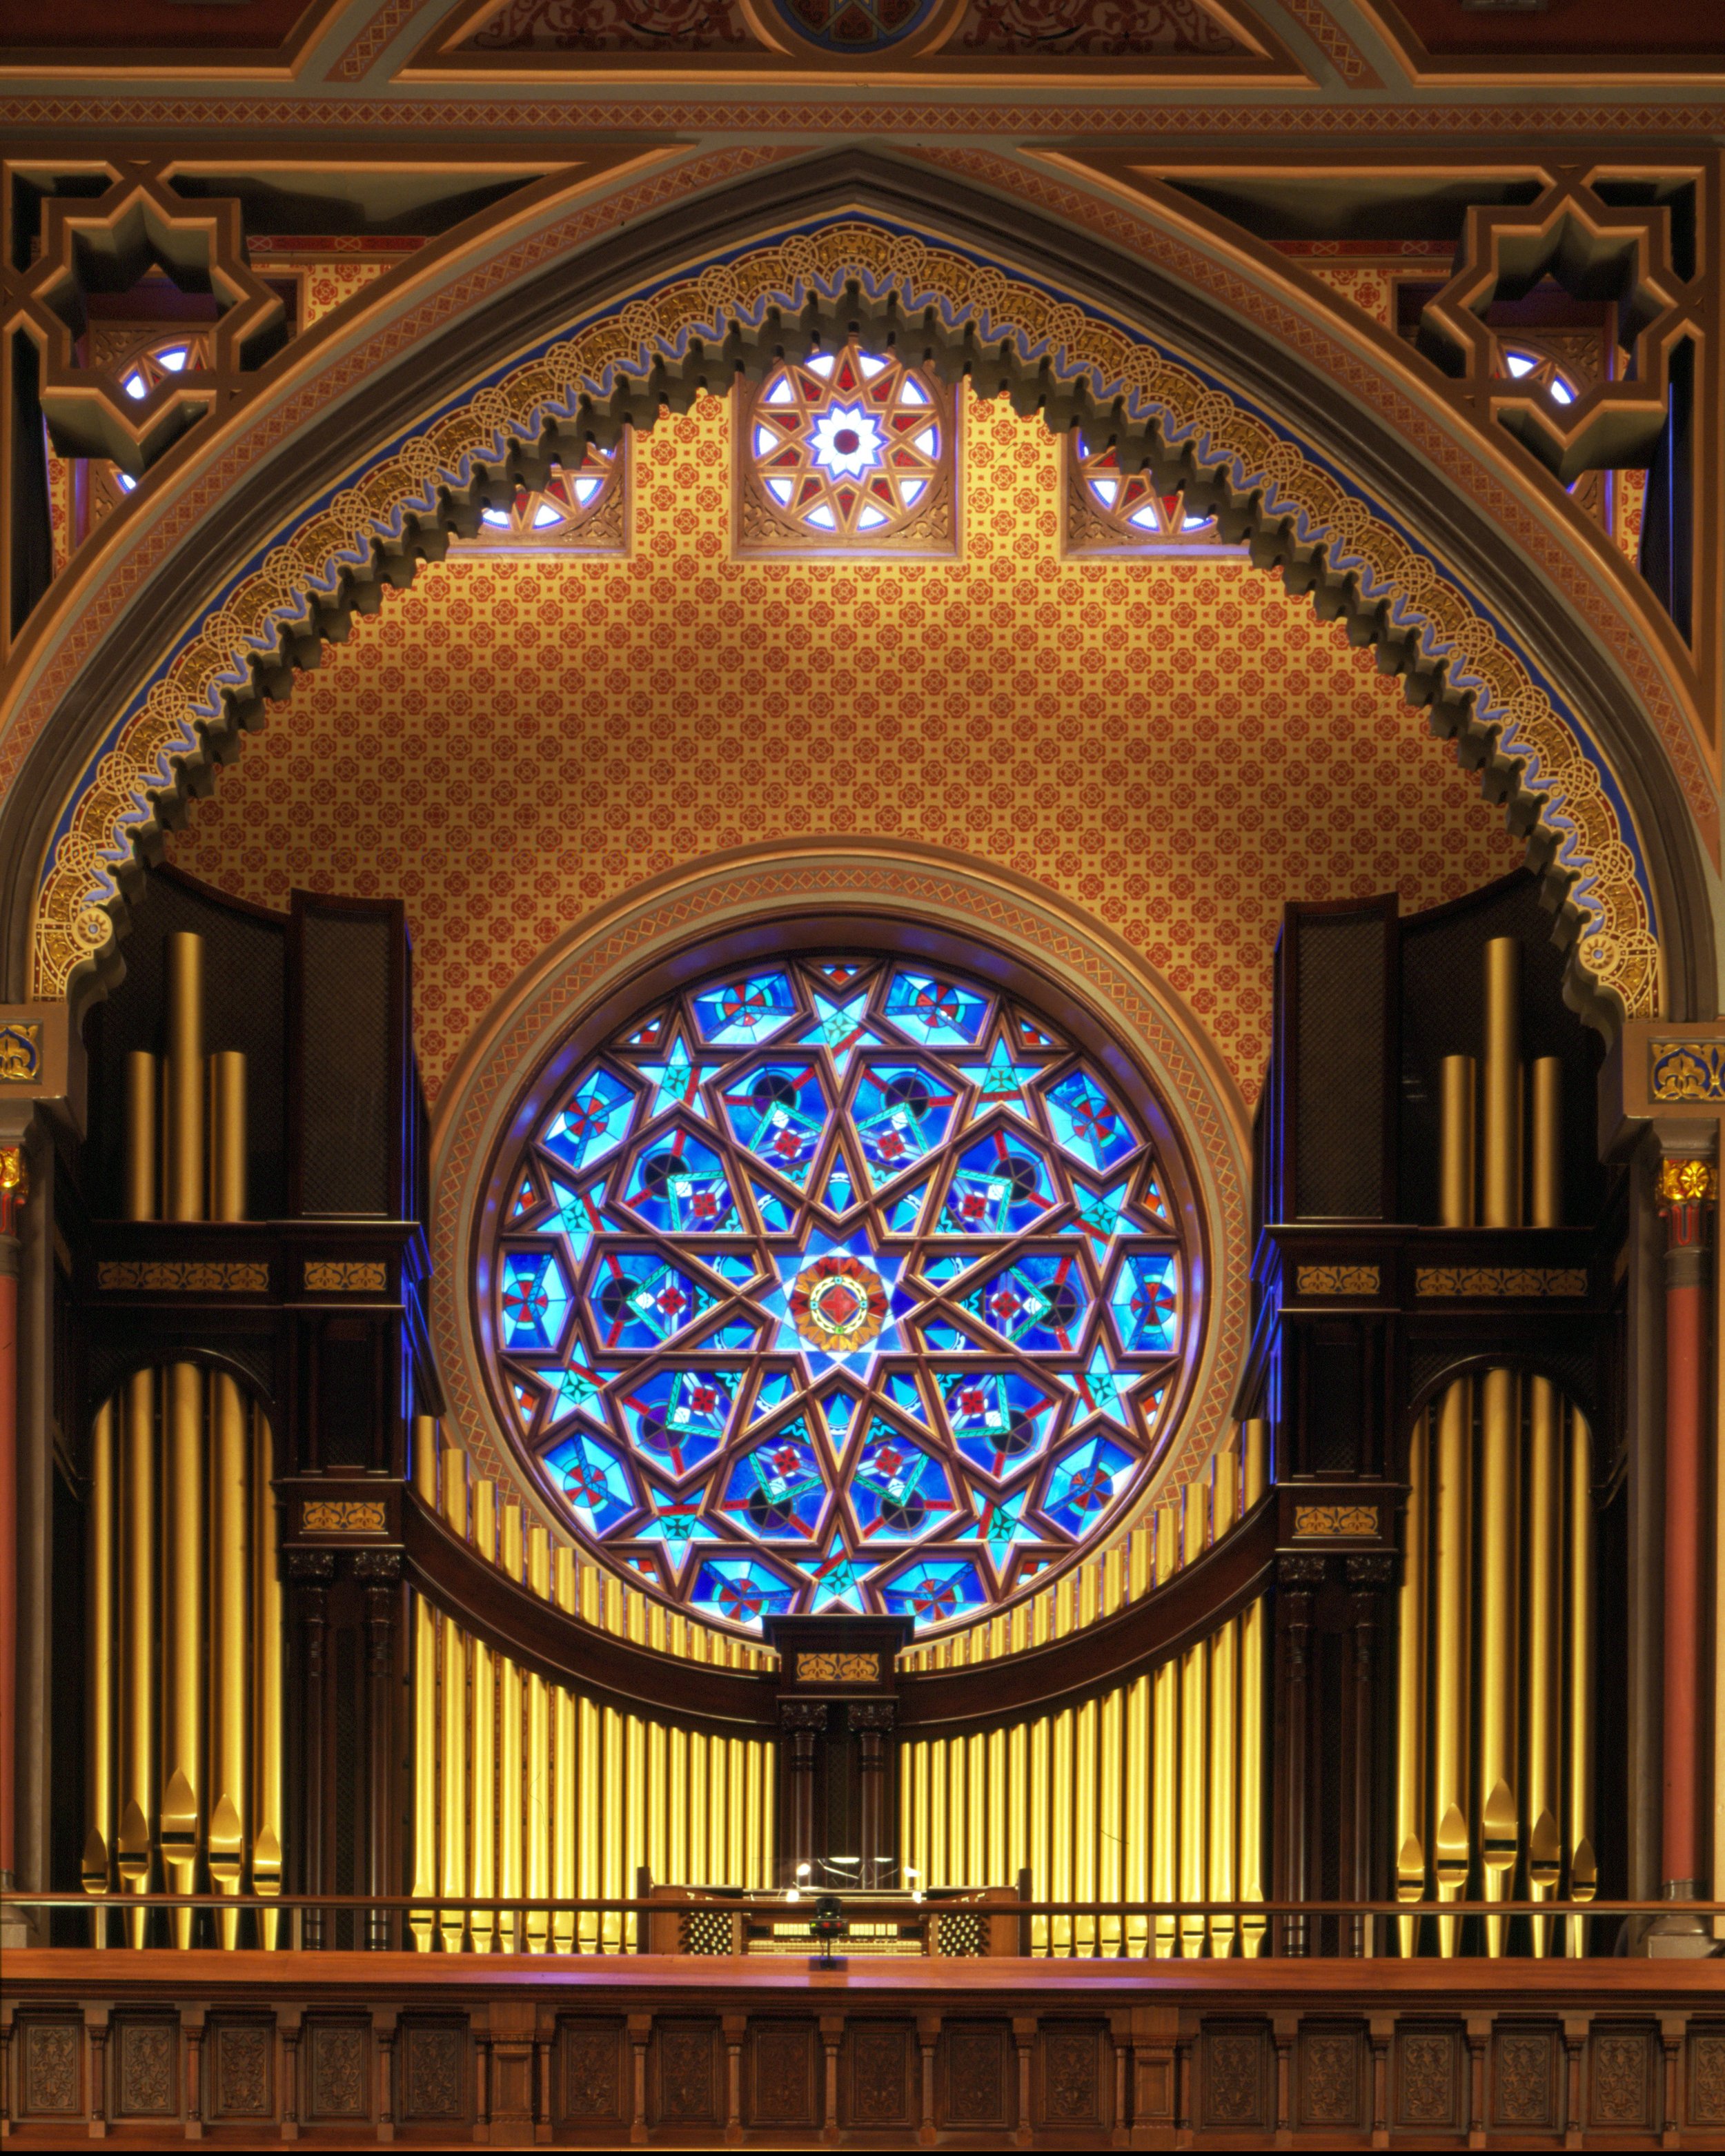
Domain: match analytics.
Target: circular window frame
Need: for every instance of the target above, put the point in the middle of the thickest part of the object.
(891, 935)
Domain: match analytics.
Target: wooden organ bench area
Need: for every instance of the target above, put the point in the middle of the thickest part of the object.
(1295, 1814)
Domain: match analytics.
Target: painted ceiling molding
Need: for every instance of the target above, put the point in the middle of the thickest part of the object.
(695, 905)
(945, 310)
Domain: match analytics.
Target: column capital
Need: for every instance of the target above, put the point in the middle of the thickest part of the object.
(1686, 1178)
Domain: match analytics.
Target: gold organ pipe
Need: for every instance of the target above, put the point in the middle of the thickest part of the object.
(589, 1873)
(538, 1788)
(738, 1818)
(183, 1633)
(1451, 1846)
(565, 1783)
(266, 1689)
(226, 1135)
(1500, 1134)
(1018, 1814)
(1165, 1752)
(1225, 1725)
(1137, 1810)
(634, 1815)
(1546, 1180)
(611, 1827)
(678, 1867)
(137, 1637)
(1544, 1696)
(509, 1756)
(1410, 1692)
(1111, 1825)
(1584, 1870)
(1455, 1145)
(1499, 1599)
(452, 1764)
(977, 1782)
(419, 1919)
(1195, 1739)
(1085, 1823)
(1041, 1796)
(98, 1779)
(230, 1574)
(183, 1163)
(1254, 1752)
(1062, 1827)
(482, 1737)
(999, 1865)
(139, 1164)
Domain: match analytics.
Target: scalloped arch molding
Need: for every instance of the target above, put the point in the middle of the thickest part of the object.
(1044, 350)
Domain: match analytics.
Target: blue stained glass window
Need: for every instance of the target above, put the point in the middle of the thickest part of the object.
(779, 1111)
(1088, 1123)
(902, 1112)
(999, 1186)
(1145, 1302)
(783, 1326)
(738, 1013)
(934, 1011)
(592, 1121)
(679, 1184)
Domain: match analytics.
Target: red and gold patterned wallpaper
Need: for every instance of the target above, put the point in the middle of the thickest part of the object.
(1176, 746)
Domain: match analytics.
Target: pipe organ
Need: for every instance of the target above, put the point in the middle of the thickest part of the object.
(184, 1682)
(1154, 1790)
(1363, 1653)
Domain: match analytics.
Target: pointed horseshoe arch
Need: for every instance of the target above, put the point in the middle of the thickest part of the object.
(717, 294)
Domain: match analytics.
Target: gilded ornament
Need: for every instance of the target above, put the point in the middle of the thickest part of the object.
(345, 1276)
(14, 1173)
(1687, 1070)
(20, 1051)
(1688, 1182)
(325, 1516)
(1500, 1279)
(837, 1669)
(1337, 1280)
(1335, 1519)
(196, 1277)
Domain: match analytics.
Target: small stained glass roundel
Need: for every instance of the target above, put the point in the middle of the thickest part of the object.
(839, 1284)
(848, 451)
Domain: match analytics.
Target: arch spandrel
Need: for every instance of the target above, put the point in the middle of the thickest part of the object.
(1042, 347)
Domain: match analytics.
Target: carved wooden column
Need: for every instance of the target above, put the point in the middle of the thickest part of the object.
(379, 1573)
(804, 1722)
(312, 1573)
(1368, 1769)
(872, 1722)
(1297, 1579)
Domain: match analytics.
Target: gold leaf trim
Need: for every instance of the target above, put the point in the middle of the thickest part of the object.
(837, 1669)
(1500, 1279)
(345, 1276)
(1335, 1519)
(196, 1277)
(325, 1517)
(1337, 1280)
(20, 1051)
(1688, 1070)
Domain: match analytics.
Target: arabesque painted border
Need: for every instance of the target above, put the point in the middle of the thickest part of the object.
(1045, 338)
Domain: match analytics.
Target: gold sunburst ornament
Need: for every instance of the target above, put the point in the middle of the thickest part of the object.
(837, 1304)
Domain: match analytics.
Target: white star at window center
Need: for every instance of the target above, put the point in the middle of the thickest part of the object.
(847, 441)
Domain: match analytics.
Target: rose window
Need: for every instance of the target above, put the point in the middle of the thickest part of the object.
(839, 1284)
(1110, 509)
(848, 450)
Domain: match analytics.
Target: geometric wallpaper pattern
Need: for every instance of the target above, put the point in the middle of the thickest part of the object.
(1177, 746)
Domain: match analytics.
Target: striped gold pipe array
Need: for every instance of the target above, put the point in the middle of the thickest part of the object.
(183, 1771)
(1154, 1791)
(1495, 1657)
(526, 1790)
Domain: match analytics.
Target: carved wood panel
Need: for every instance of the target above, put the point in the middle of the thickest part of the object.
(241, 2069)
(433, 2056)
(592, 2063)
(1706, 2078)
(1234, 2076)
(1620, 2077)
(781, 2058)
(1429, 2067)
(338, 2079)
(1329, 2076)
(881, 2079)
(685, 2064)
(1524, 2078)
(144, 2084)
(1074, 2081)
(50, 2077)
(977, 2074)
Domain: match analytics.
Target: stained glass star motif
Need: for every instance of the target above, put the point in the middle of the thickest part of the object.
(999, 1527)
(676, 1525)
(1001, 1083)
(677, 1081)
(575, 1389)
(1101, 1213)
(841, 1029)
(578, 1217)
(838, 1580)
(1101, 1390)
(838, 1303)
